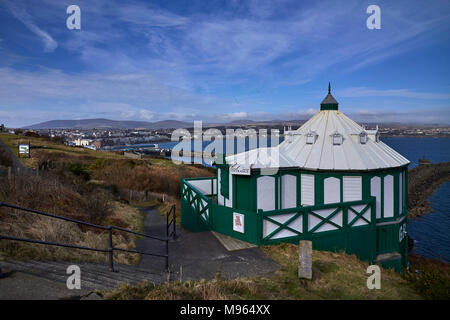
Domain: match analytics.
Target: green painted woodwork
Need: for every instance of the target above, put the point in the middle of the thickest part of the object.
(329, 106)
(242, 193)
(366, 241)
(224, 182)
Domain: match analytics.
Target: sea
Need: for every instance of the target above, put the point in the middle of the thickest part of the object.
(431, 232)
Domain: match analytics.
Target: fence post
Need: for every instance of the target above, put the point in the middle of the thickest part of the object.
(111, 250)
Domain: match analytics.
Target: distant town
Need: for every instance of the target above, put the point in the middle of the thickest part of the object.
(117, 138)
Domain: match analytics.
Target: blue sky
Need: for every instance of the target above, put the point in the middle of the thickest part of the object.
(218, 61)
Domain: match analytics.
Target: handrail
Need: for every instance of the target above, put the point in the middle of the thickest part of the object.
(173, 221)
(110, 229)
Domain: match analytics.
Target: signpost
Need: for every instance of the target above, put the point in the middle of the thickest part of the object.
(24, 149)
(305, 260)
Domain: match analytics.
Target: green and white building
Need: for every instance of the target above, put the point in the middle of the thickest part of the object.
(331, 181)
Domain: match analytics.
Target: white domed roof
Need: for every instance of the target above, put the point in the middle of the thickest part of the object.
(328, 141)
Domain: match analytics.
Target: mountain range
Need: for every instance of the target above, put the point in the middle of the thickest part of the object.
(108, 124)
(126, 124)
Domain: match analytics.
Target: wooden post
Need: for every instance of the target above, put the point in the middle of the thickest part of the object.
(305, 260)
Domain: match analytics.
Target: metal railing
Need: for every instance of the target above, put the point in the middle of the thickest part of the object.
(173, 222)
(110, 229)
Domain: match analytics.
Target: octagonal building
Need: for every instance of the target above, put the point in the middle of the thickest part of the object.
(331, 181)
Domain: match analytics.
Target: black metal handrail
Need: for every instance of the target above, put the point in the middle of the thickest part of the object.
(110, 229)
(173, 221)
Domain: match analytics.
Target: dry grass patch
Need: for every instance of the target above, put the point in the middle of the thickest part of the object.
(70, 197)
(336, 276)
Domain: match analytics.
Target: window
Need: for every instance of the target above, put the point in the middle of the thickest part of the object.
(288, 191)
(352, 189)
(311, 137)
(388, 196)
(265, 189)
(331, 190)
(363, 137)
(375, 190)
(307, 190)
(337, 138)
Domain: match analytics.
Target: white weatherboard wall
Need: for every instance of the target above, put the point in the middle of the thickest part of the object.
(269, 227)
(388, 196)
(307, 189)
(205, 186)
(352, 189)
(325, 213)
(288, 191)
(220, 198)
(375, 191)
(332, 190)
(229, 202)
(265, 193)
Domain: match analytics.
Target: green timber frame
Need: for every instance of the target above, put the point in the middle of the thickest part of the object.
(317, 223)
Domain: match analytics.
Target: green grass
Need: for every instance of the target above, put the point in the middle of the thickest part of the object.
(41, 144)
(335, 276)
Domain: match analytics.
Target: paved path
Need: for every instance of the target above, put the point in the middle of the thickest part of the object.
(199, 255)
(191, 256)
(16, 163)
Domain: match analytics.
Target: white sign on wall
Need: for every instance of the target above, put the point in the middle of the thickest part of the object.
(238, 222)
(24, 149)
(236, 169)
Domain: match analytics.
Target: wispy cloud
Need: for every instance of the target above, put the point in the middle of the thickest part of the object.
(21, 14)
(401, 93)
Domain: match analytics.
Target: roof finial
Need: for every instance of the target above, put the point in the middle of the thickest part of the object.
(329, 88)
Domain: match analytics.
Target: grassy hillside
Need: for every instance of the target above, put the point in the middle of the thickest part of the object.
(91, 186)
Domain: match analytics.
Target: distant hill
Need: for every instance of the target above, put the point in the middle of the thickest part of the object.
(106, 124)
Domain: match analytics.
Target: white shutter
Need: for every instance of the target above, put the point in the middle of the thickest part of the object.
(288, 191)
(375, 191)
(265, 188)
(331, 190)
(352, 189)
(307, 191)
(388, 196)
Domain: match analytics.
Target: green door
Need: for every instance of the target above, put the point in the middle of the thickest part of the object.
(243, 192)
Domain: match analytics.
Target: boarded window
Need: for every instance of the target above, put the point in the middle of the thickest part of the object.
(265, 193)
(288, 191)
(224, 183)
(388, 196)
(375, 191)
(331, 190)
(352, 189)
(307, 189)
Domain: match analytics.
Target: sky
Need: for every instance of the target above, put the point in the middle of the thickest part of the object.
(219, 61)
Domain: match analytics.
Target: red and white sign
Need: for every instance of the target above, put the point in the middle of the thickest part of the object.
(238, 222)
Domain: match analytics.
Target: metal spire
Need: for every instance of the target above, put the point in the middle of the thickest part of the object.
(329, 88)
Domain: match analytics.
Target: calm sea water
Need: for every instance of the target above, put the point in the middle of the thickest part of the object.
(431, 232)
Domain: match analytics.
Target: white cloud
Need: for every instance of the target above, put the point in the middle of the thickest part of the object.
(401, 93)
(21, 14)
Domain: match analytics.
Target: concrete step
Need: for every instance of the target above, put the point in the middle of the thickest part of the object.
(93, 275)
